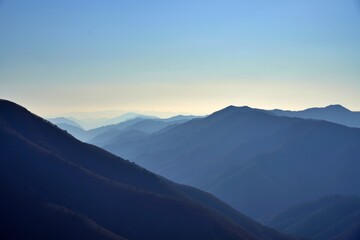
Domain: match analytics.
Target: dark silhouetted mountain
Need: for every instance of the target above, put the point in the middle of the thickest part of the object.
(56, 187)
(67, 121)
(258, 162)
(332, 113)
(331, 217)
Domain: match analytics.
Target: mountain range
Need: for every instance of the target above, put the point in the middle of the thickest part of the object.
(108, 132)
(332, 113)
(55, 187)
(245, 155)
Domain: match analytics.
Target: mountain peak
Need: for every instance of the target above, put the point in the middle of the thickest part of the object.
(4, 102)
(235, 108)
(10, 108)
(337, 107)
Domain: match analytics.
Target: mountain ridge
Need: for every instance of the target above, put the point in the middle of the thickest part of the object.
(83, 180)
(333, 113)
(212, 153)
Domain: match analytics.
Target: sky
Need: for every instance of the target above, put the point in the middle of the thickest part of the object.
(188, 56)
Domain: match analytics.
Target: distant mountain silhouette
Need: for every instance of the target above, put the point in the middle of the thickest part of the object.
(67, 121)
(125, 117)
(56, 187)
(180, 118)
(104, 134)
(330, 217)
(258, 162)
(87, 121)
(332, 113)
(145, 126)
(80, 133)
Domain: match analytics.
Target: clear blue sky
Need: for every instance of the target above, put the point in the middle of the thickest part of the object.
(190, 56)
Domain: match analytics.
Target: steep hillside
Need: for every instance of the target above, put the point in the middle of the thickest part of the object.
(54, 186)
(330, 217)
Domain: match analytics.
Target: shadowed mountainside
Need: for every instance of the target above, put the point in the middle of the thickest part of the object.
(246, 155)
(54, 186)
(330, 217)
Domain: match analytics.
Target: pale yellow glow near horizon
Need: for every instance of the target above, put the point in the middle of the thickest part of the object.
(169, 99)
